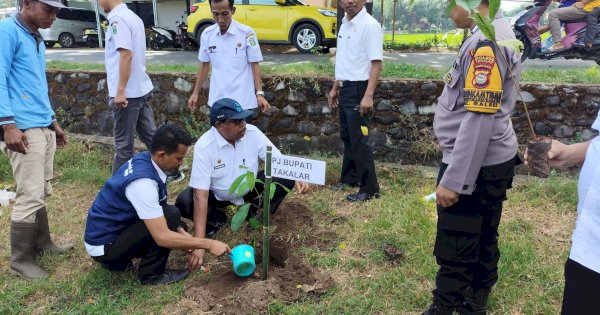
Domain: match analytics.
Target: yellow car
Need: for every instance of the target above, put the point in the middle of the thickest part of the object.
(275, 22)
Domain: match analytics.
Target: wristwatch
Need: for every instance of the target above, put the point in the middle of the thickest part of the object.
(262, 93)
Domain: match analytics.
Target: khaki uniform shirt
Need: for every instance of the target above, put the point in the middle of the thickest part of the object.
(470, 140)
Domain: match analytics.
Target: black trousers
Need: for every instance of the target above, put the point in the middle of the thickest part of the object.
(592, 25)
(216, 217)
(358, 166)
(466, 245)
(136, 242)
(581, 290)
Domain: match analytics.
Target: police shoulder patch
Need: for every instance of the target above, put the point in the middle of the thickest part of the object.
(483, 85)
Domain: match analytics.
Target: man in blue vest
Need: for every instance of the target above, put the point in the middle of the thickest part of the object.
(131, 218)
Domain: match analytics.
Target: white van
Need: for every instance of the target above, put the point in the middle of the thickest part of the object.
(68, 28)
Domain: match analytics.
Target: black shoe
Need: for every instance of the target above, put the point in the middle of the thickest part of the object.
(169, 276)
(342, 186)
(362, 197)
(438, 309)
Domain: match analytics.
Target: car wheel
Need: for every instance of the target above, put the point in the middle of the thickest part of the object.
(66, 40)
(306, 38)
(155, 45)
(200, 30)
(49, 44)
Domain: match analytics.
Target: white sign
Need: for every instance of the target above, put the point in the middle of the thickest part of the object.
(295, 168)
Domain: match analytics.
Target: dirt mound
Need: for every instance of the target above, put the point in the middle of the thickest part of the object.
(290, 278)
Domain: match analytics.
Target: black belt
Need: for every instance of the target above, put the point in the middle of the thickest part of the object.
(348, 83)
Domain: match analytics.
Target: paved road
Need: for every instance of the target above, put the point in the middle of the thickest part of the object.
(437, 60)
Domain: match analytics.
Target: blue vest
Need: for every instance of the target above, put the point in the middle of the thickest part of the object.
(112, 212)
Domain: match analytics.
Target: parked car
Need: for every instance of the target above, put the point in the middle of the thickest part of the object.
(69, 27)
(275, 22)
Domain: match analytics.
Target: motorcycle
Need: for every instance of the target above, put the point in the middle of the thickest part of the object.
(184, 40)
(526, 24)
(158, 38)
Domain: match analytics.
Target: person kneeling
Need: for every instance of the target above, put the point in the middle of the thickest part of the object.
(130, 217)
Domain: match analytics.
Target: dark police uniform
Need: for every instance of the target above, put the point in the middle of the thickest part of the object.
(472, 124)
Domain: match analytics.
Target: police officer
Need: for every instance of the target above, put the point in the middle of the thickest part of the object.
(472, 124)
(129, 87)
(357, 67)
(226, 151)
(233, 51)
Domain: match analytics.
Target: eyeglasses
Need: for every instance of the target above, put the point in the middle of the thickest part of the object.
(236, 122)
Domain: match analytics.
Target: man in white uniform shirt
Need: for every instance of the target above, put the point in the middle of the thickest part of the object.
(129, 87)
(582, 270)
(233, 51)
(357, 67)
(218, 159)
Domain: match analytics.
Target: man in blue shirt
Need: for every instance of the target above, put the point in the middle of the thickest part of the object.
(29, 133)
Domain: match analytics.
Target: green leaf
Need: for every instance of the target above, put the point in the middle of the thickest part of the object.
(254, 223)
(272, 191)
(236, 183)
(493, 8)
(513, 44)
(243, 188)
(239, 217)
(250, 179)
(450, 7)
(485, 25)
(469, 5)
(287, 190)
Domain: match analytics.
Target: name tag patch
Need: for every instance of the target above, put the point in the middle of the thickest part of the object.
(220, 166)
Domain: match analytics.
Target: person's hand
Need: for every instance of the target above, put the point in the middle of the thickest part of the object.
(579, 4)
(218, 248)
(332, 98)
(61, 136)
(557, 156)
(366, 104)
(263, 104)
(445, 197)
(195, 259)
(121, 100)
(301, 187)
(15, 139)
(192, 102)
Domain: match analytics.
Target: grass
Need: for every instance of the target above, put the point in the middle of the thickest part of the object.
(535, 231)
(423, 41)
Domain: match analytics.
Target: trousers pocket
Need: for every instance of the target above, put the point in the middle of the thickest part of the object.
(456, 246)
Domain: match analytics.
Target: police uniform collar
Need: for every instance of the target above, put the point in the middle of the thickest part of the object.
(160, 172)
(116, 10)
(356, 18)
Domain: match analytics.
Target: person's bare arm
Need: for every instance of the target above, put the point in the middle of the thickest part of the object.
(125, 58)
(366, 104)
(201, 76)
(263, 104)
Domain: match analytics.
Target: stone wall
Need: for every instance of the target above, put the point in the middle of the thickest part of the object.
(300, 121)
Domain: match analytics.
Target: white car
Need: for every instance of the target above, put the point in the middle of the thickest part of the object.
(68, 28)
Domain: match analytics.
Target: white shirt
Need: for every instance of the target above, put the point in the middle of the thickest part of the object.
(217, 163)
(586, 238)
(143, 195)
(359, 42)
(230, 56)
(126, 31)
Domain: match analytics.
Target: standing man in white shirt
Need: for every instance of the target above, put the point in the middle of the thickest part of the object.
(129, 87)
(582, 270)
(233, 51)
(357, 67)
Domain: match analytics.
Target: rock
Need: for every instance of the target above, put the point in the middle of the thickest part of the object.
(307, 128)
(105, 123)
(384, 105)
(427, 110)
(409, 87)
(183, 85)
(544, 88)
(569, 102)
(314, 109)
(386, 85)
(328, 129)
(542, 129)
(284, 123)
(556, 117)
(172, 105)
(593, 90)
(84, 87)
(155, 86)
(386, 120)
(569, 90)
(53, 103)
(81, 99)
(527, 97)
(398, 96)
(584, 122)
(273, 110)
(564, 131)
(101, 85)
(83, 76)
(206, 84)
(60, 78)
(326, 110)
(408, 108)
(263, 124)
(280, 86)
(290, 111)
(398, 133)
(587, 134)
(296, 97)
(591, 101)
(553, 100)
(76, 112)
(205, 110)
(430, 87)
(270, 96)
(377, 139)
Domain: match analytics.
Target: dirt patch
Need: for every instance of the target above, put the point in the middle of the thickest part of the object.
(290, 278)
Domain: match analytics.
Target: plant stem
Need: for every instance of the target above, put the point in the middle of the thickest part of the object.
(266, 213)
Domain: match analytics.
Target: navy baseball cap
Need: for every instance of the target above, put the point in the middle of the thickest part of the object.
(227, 108)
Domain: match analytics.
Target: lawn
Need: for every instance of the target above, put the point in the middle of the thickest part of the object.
(534, 240)
(451, 40)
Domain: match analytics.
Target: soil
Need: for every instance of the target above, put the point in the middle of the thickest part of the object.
(290, 278)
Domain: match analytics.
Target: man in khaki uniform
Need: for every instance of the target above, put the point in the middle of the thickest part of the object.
(472, 124)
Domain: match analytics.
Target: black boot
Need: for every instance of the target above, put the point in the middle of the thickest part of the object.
(44, 242)
(23, 250)
(436, 308)
(476, 301)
